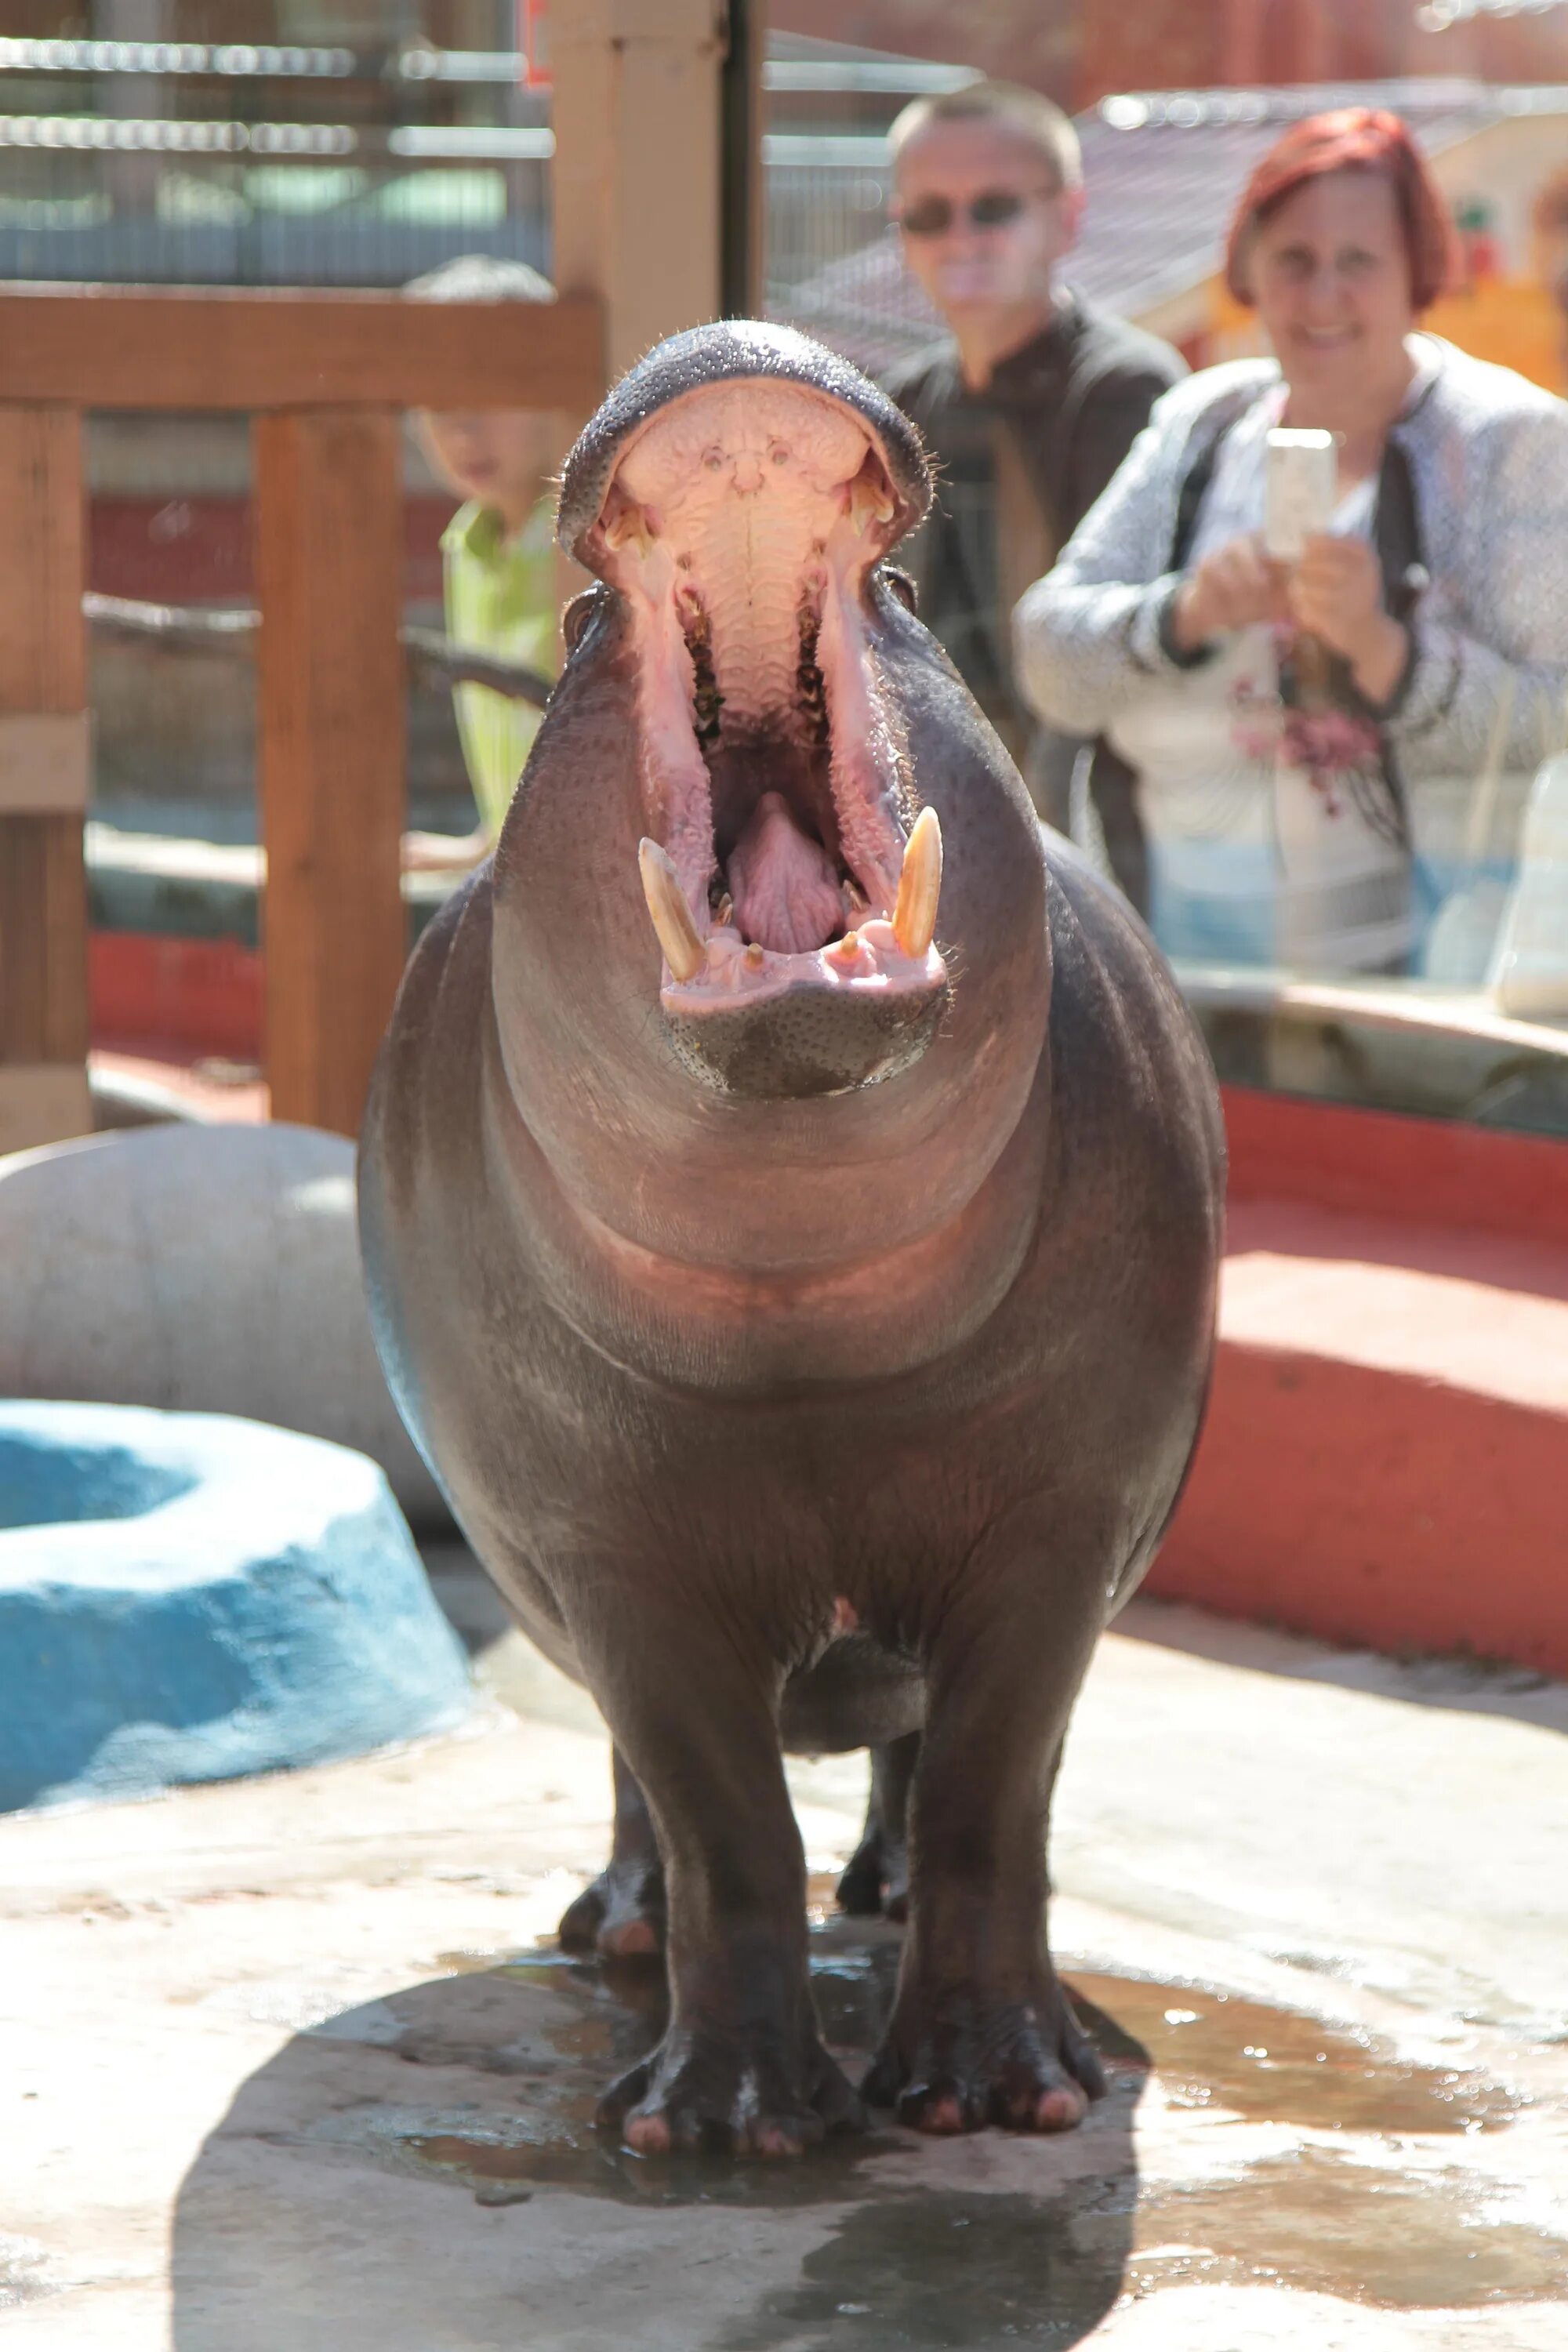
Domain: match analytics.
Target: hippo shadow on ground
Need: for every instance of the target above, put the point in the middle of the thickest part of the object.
(346, 2202)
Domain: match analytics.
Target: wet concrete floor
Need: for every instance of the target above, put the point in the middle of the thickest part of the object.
(295, 2064)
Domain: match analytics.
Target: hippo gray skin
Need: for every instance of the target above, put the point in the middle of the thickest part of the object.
(803, 1296)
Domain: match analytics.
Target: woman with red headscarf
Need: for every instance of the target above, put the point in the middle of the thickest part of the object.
(1300, 734)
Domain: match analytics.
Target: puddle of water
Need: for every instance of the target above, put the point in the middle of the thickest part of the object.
(934, 2268)
(1216, 2050)
(1211, 2049)
(1316, 2222)
(907, 2266)
(1276, 2065)
(954, 2268)
(503, 2160)
(562, 2029)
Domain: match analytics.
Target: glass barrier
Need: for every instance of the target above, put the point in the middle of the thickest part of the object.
(1358, 912)
(1424, 969)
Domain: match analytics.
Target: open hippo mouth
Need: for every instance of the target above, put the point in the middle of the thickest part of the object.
(792, 881)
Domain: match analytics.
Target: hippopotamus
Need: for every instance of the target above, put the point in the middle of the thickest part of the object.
(791, 1206)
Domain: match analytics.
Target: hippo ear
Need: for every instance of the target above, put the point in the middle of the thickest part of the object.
(902, 586)
(579, 612)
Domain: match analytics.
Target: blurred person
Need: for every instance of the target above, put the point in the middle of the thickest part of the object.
(1035, 399)
(497, 559)
(1290, 725)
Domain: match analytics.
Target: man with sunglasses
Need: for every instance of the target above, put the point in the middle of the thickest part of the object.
(1034, 400)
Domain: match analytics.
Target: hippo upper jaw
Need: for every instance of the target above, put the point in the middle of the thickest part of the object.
(791, 878)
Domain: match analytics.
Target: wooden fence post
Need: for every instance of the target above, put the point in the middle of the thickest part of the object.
(44, 772)
(329, 566)
(637, 177)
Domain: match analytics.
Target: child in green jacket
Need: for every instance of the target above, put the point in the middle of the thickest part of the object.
(499, 560)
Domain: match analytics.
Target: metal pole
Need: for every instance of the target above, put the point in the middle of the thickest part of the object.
(740, 269)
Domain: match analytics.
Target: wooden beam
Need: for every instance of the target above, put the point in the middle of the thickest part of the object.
(329, 562)
(218, 348)
(43, 683)
(636, 180)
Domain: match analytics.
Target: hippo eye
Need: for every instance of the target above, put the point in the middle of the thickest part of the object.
(779, 454)
(712, 459)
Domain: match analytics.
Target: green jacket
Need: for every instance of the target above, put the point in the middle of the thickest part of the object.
(501, 600)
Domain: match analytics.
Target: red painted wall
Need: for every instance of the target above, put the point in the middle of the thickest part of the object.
(1386, 1458)
(192, 997)
(1410, 1171)
(197, 550)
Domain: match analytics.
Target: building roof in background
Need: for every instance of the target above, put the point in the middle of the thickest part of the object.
(803, 62)
(1163, 169)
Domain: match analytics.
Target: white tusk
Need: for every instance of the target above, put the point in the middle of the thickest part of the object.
(868, 499)
(629, 523)
(678, 934)
(920, 887)
(867, 502)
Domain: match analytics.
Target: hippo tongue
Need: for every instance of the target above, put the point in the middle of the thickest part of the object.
(784, 885)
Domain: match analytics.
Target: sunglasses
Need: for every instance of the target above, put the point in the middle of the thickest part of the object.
(934, 216)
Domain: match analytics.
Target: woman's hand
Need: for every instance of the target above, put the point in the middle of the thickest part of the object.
(1336, 595)
(1234, 586)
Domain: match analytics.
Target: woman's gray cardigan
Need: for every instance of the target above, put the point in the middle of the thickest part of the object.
(1488, 455)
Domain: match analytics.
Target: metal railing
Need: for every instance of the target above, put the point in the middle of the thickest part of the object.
(240, 163)
(434, 658)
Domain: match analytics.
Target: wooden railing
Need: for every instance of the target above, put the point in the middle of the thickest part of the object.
(323, 377)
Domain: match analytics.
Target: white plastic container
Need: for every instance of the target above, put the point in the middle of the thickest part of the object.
(1528, 974)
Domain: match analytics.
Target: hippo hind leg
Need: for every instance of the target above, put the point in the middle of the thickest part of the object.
(621, 1915)
(876, 1877)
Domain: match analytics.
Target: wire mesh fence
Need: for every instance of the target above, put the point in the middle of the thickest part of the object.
(178, 164)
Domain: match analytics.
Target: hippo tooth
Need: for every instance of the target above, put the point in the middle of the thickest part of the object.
(678, 934)
(920, 886)
(867, 503)
(630, 522)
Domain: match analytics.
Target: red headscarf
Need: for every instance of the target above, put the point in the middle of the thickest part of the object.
(1352, 138)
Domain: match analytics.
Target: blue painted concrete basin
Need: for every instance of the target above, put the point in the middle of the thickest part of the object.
(190, 1597)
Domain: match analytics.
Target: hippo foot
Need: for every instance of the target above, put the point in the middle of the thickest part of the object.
(876, 1881)
(709, 2094)
(958, 2064)
(620, 1915)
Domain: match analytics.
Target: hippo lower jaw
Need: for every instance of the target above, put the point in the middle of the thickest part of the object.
(758, 1021)
(792, 886)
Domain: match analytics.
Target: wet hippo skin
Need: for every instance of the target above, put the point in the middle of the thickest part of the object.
(791, 1203)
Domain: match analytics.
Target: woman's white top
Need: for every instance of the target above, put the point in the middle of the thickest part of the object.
(1257, 853)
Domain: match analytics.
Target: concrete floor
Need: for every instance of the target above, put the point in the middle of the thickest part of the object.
(290, 2065)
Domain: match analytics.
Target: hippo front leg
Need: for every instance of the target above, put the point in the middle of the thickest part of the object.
(982, 2031)
(741, 2065)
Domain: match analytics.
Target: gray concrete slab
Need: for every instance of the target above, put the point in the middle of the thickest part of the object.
(291, 2064)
